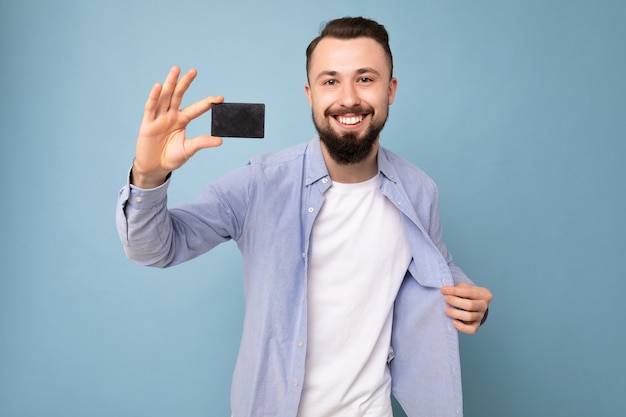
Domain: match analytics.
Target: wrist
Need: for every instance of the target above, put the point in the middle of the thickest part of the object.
(147, 180)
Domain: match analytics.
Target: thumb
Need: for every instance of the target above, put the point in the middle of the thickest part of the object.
(201, 142)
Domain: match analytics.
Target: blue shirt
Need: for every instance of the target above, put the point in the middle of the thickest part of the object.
(268, 208)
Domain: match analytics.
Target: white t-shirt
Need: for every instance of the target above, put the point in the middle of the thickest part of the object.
(359, 256)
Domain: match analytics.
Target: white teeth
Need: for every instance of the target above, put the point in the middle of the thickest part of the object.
(349, 120)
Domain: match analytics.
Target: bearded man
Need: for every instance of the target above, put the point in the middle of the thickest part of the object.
(351, 294)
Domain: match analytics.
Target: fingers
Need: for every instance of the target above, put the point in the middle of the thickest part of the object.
(181, 87)
(199, 107)
(479, 305)
(466, 327)
(467, 305)
(169, 85)
(149, 112)
(169, 95)
(160, 96)
(161, 140)
(464, 316)
(465, 321)
(191, 146)
(467, 291)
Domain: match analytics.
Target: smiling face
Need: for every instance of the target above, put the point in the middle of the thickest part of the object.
(350, 89)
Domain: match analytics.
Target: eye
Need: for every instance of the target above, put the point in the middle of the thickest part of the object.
(330, 82)
(365, 80)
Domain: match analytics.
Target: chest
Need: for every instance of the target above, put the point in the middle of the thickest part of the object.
(358, 243)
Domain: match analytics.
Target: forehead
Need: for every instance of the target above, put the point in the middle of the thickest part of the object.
(347, 56)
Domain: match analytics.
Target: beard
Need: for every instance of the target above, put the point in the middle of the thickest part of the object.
(348, 148)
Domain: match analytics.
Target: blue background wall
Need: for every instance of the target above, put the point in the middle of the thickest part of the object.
(516, 108)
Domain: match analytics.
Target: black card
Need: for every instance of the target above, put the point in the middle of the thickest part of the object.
(238, 120)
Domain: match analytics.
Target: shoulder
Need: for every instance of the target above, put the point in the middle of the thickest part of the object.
(263, 169)
(263, 164)
(285, 156)
(411, 176)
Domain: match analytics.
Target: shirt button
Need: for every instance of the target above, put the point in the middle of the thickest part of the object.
(325, 180)
(308, 180)
(138, 199)
(296, 383)
(311, 210)
(300, 343)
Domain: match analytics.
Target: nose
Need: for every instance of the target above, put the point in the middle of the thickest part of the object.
(349, 96)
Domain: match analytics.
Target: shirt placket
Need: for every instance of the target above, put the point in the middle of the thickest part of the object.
(312, 201)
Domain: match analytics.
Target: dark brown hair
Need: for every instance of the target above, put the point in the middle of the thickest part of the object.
(352, 28)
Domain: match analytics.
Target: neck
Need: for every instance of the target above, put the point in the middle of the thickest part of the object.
(352, 173)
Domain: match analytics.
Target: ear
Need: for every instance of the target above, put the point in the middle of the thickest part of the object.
(307, 90)
(393, 86)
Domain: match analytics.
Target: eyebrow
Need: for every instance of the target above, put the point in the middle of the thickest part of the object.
(360, 71)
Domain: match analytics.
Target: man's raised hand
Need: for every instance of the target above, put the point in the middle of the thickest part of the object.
(162, 145)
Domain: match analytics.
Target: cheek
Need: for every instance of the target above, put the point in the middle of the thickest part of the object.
(323, 97)
(318, 112)
(378, 98)
(320, 106)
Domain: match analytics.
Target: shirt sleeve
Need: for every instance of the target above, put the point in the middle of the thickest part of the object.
(154, 235)
(436, 234)
(140, 217)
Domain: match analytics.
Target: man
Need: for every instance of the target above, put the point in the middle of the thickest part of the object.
(350, 291)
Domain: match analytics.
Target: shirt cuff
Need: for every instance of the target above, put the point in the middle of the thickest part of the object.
(141, 199)
(484, 317)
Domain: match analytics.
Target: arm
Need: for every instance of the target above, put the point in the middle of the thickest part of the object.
(150, 234)
(468, 304)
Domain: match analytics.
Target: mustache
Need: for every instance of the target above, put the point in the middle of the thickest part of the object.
(348, 110)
